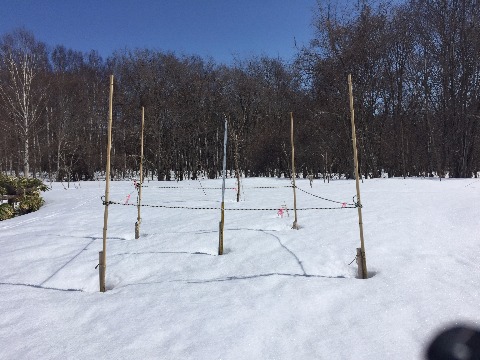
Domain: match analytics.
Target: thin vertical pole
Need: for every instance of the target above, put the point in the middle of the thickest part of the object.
(237, 168)
(139, 204)
(103, 254)
(295, 224)
(362, 261)
(222, 219)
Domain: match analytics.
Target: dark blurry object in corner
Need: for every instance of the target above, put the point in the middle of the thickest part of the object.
(457, 343)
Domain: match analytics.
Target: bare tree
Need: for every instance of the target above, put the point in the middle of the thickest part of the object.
(22, 94)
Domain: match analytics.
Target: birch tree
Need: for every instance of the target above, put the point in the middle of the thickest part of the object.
(23, 60)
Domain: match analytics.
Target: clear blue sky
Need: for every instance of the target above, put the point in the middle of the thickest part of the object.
(222, 29)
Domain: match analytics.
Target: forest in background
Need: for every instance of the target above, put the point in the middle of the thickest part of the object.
(416, 83)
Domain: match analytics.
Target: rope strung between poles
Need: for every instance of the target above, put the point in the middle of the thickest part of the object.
(217, 208)
(219, 188)
(268, 187)
(204, 193)
(255, 187)
(192, 188)
(354, 204)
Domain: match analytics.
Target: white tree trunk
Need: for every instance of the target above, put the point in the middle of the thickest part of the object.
(21, 97)
(26, 153)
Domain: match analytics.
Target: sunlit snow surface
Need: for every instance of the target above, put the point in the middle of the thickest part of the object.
(276, 293)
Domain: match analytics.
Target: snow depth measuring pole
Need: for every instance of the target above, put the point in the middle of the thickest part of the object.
(361, 260)
(222, 219)
(139, 203)
(295, 224)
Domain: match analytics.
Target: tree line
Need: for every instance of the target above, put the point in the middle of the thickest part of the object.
(415, 68)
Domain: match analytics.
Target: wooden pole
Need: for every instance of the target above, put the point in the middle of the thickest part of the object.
(295, 224)
(237, 168)
(362, 261)
(222, 219)
(139, 204)
(101, 271)
(103, 254)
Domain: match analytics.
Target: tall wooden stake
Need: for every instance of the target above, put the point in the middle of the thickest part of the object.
(295, 224)
(139, 204)
(237, 168)
(222, 219)
(362, 261)
(103, 254)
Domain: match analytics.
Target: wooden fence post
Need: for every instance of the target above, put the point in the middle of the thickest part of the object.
(362, 261)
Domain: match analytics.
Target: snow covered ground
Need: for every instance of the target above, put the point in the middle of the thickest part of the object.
(277, 293)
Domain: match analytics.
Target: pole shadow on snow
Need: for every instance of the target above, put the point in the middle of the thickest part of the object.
(232, 278)
(40, 287)
(229, 278)
(180, 232)
(87, 237)
(256, 276)
(246, 277)
(299, 262)
(92, 239)
(68, 262)
(164, 252)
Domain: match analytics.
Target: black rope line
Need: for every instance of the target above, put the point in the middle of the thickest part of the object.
(268, 187)
(354, 204)
(194, 188)
(357, 203)
(218, 208)
(219, 188)
(204, 193)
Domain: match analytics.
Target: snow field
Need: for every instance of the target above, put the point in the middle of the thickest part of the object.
(277, 293)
